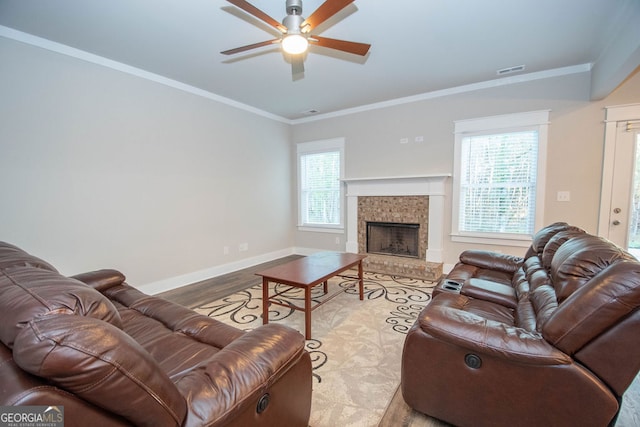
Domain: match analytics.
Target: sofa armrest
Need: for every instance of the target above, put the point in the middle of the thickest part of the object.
(491, 260)
(487, 290)
(100, 364)
(19, 388)
(101, 280)
(235, 378)
(445, 319)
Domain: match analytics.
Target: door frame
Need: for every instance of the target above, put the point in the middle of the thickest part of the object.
(613, 115)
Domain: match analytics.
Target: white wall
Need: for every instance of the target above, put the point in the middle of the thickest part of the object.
(101, 169)
(575, 148)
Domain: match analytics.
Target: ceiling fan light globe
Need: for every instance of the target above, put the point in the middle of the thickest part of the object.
(295, 44)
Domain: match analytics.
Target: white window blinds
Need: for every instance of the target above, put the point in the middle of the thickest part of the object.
(320, 188)
(498, 183)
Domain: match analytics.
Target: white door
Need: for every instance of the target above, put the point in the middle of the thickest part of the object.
(633, 238)
(620, 193)
(624, 216)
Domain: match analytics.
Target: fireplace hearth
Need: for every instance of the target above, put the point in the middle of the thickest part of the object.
(390, 238)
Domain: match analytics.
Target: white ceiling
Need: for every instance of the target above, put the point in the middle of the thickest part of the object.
(418, 46)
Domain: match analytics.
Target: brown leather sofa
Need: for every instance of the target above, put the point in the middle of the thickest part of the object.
(113, 356)
(549, 339)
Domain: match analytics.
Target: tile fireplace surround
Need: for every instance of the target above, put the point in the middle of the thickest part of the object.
(394, 209)
(418, 199)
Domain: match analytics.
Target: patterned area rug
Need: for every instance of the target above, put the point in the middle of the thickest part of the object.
(356, 346)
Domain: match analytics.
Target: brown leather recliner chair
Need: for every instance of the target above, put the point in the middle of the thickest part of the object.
(114, 356)
(549, 339)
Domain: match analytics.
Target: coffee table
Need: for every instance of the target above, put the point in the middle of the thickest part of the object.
(306, 273)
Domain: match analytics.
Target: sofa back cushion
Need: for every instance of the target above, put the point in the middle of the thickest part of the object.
(536, 296)
(13, 256)
(579, 259)
(555, 242)
(101, 364)
(27, 293)
(596, 308)
(542, 237)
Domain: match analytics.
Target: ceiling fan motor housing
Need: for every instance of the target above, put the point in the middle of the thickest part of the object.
(293, 23)
(294, 7)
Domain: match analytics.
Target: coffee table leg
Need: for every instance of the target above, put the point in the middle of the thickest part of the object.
(360, 280)
(307, 312)
(265, 301)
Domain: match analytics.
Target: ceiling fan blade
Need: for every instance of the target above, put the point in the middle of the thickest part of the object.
(249, 47)
(324, 12)
(345, 46)
(297, 65)
(251, 9)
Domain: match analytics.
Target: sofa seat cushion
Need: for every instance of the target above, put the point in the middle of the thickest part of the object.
(177, 338)
(478, 308)
(485, 328)
(463, 272)
(28, 292)
(103, 365)
(176, 353)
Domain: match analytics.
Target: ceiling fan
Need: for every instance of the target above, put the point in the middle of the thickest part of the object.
(296, 31)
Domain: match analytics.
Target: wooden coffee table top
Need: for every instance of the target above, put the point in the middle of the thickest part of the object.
(313, 269)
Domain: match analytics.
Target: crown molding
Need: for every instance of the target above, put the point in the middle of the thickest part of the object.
(63, 49)
(539, 75)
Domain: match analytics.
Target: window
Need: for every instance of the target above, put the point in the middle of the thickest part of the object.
(499, 178)
(320, 189)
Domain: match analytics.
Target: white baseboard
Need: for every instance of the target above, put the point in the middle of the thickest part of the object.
(208, 273)
(306, 251)
(218, 270)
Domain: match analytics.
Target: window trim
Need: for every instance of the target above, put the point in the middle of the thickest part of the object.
(321, 146)
(533, 120)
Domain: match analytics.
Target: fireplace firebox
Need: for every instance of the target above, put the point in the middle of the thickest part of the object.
(392, 238)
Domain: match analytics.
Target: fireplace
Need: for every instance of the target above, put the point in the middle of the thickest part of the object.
(410, 200)
(391, 238)
(392, 214)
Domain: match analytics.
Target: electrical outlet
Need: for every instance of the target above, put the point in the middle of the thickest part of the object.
(337, 240)
(243, 247)
(564, 196)
(225, 250)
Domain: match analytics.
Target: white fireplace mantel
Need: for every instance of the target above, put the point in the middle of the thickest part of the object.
(422, 185)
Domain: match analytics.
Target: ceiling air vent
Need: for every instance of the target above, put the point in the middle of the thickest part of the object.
(510, 70)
